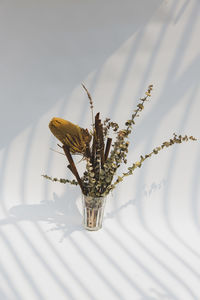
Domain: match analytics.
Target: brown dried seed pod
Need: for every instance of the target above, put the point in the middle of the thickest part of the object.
(71, 135)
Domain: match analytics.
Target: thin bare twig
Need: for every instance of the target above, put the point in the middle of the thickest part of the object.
(57, 151)
(91, 103)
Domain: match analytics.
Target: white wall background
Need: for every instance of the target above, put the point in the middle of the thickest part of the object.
(149, 246)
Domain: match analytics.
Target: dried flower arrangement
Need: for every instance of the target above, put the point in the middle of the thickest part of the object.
(103, 158)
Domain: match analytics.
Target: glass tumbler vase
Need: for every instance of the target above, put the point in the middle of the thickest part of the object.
(93, 212)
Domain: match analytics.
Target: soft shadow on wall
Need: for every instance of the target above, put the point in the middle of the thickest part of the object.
(49, 47)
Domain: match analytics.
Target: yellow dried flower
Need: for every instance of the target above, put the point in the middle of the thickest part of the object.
(75, 137)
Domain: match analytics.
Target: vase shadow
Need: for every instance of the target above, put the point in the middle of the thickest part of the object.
(64, 212)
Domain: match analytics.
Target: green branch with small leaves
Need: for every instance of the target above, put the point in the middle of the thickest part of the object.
(61, 180)
(175, 140)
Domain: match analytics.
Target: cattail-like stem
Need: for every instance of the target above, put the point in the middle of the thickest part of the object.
(95, 140)
(108, 145)
(99, 137)
(101, 144)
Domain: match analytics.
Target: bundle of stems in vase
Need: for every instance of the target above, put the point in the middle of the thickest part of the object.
(102, 154)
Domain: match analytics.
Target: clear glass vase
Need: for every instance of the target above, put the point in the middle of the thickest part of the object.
(93, 211)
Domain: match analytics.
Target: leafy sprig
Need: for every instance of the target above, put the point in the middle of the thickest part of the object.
(175, 140)
(61, 180)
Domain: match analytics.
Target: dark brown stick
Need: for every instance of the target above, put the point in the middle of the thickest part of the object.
(97, 147)
(101, 144)
(95, 138)
(97, 116)
(97, 124)
(72, 166)
(94, 149)
(108, 145)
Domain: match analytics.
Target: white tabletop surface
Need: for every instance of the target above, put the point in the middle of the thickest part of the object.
(149, 246)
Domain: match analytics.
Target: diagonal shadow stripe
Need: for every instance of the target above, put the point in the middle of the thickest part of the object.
(10, 283)
(163, 265)
(181, 11)
(137, 261)
(63, 263)
(60, 283)
(163, 244)
(169, 178)
(117, 267)
(170, 80)
(139, 186)
(126, 69)
(101, 275)
(155, 51)
(22, 269)
(194, 193)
